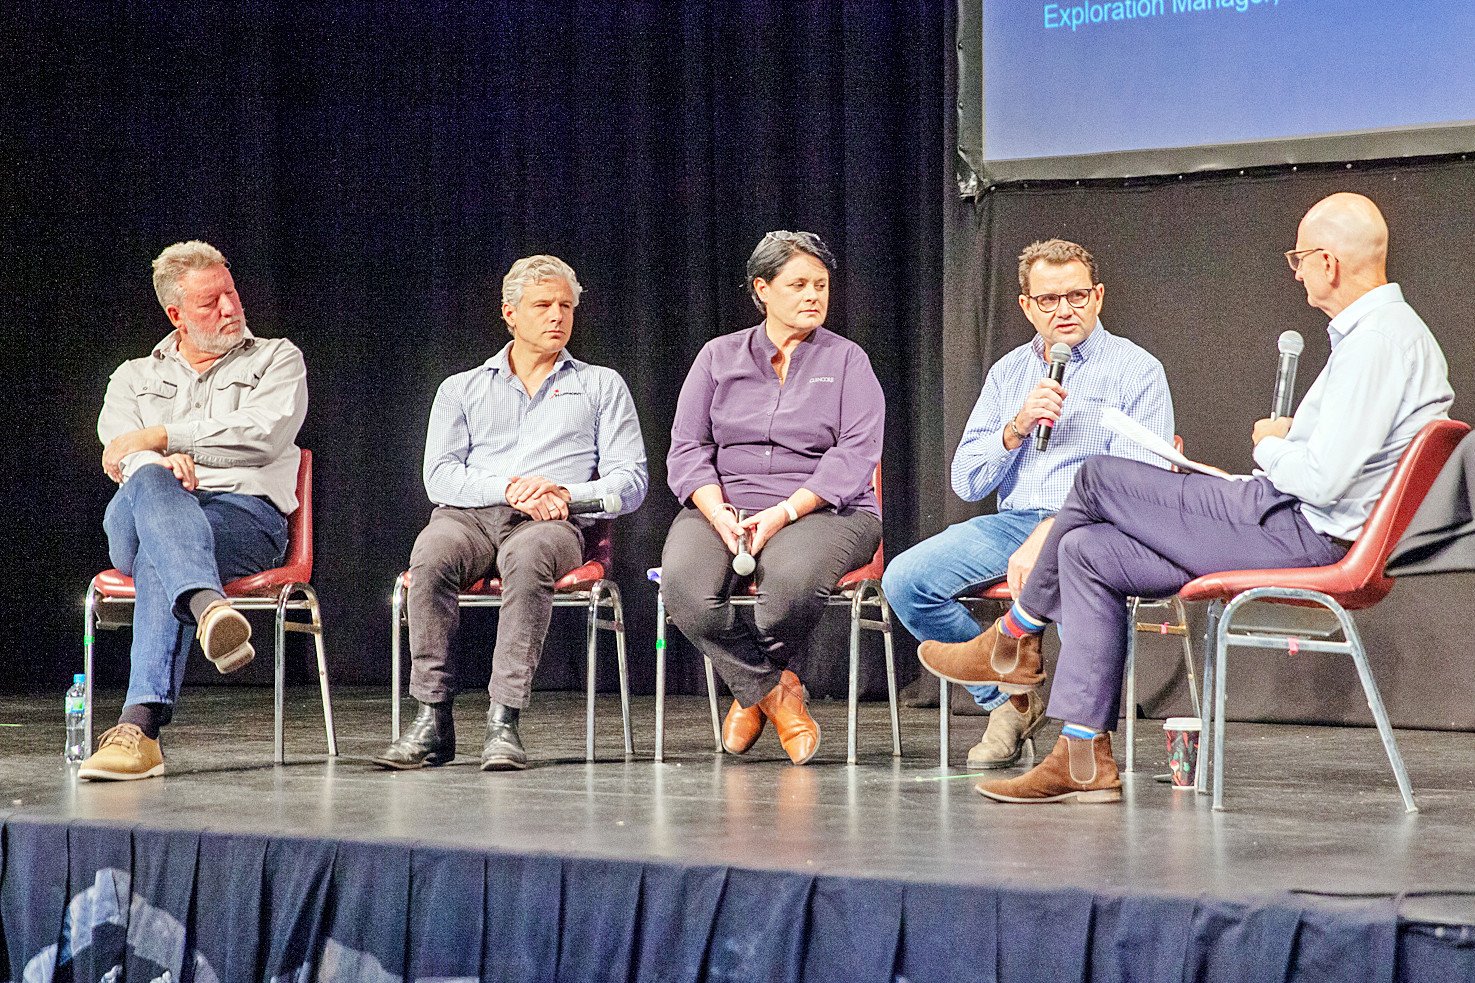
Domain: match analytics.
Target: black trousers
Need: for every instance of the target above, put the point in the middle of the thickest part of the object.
(796, 573)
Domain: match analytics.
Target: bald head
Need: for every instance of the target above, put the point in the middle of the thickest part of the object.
(1350, 243)
(1350, 226)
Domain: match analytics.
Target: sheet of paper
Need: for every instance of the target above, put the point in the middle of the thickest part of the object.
(1116, 421)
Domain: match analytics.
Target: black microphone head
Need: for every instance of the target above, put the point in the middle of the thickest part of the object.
(1290, 343)
(1060, 352)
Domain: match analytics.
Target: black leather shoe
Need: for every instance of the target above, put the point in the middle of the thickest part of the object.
(503, 749)
(430, 740)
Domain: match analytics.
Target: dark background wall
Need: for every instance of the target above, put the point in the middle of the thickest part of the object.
(373, 170)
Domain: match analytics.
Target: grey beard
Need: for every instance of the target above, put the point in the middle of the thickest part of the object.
(214, 343)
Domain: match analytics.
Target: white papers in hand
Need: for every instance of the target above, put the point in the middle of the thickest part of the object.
(1118, 422)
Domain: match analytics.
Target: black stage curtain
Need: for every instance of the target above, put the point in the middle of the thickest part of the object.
(1193, 272)
(371, 171)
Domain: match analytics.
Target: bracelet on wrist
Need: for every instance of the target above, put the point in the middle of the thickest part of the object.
(1015, 431)
(793, 515)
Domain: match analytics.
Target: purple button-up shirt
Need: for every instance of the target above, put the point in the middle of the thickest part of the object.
(761, 441)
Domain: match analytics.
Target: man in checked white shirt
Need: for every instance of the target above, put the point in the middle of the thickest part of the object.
(510, 444)
(1061, 298)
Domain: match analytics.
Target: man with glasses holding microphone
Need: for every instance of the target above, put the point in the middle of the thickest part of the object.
(1061, 298)
(1127, 530)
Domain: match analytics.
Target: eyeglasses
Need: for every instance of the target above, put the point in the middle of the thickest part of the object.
(1075, 298)
(1294, 256)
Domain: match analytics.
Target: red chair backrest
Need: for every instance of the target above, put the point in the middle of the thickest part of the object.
(872, 570)
(599, 544)
(1356, 580)
(1420, 464)
(297, 568)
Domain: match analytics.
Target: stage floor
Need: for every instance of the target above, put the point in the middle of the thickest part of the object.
(1310, 809)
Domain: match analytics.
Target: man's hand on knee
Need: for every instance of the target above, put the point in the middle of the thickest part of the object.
(1023, 560)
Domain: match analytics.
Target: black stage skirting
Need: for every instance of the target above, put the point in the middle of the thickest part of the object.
(84, 900)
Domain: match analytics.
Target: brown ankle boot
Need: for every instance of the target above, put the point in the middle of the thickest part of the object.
(741, 728)
(1014, 665)
(797, 731)
(1076, 771)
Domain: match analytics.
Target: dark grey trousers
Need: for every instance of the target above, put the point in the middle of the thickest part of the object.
(457, 548)
(797, 571)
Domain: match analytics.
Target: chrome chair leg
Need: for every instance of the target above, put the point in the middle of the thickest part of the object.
(315, 610)
(397, 627)
(1211, 643)
(1130, 670)
(89, 629)
(890, 674)
(851, 724)
(592, 642)
(660, 677)
(279, 718)
(1380, 714)
(618, 610)
(712, 702)
(944, 708)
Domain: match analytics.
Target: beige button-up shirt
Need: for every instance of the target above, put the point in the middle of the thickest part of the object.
(238, 419)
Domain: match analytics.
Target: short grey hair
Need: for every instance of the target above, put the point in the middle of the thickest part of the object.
(1056, 252)
(776, 249)
(536, 269)
(177, 260)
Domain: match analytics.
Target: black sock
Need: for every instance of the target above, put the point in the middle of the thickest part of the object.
(147, 717)
(202, 599)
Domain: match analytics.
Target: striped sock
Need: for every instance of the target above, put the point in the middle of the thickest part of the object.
(1079, 733)
(1018, 622)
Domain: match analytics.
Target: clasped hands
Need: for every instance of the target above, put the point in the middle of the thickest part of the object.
(538, 497)
(760, 526)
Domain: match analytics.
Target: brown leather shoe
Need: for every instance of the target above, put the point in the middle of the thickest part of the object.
(797, 731)
(741, 728)
(1014, 665)
(1076, 771)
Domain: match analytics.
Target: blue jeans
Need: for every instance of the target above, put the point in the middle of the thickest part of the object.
(173, 542)
(922, 584)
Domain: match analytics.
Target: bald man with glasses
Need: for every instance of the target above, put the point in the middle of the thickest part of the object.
(1127, 529)
(1061, 298)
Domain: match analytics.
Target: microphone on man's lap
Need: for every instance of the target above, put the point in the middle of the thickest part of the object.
(609, 503)
(1290, 345)
(1059, 355)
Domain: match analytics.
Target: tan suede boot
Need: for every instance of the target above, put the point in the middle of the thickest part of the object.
(1008, 729)
(1076, 771)
(1014, 665)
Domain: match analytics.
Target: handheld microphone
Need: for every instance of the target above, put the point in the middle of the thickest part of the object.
(1290, 345)
(609, 503)
(1059, 355)
(743, 563)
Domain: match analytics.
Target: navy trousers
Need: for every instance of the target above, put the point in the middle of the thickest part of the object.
(1131, 529)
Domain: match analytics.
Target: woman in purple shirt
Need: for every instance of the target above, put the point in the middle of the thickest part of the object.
(777, 433)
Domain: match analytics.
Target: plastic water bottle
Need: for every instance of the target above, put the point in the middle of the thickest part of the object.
(77, 719)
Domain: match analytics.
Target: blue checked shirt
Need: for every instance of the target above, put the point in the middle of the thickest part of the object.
(1104, 370)
(485, 430)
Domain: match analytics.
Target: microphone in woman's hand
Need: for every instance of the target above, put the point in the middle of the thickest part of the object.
(743, 564)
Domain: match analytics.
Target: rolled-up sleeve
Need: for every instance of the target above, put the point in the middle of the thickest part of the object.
(692, 460)
(449, 480)
(621, 449)
(844, 471)
(260, 428)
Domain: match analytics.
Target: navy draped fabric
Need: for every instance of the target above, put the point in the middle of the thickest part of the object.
(90, 901)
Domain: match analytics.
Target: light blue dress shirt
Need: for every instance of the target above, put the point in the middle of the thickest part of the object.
(485, 430)
(1104, 370)
(1385, 379)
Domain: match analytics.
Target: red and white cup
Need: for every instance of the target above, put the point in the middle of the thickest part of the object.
(1182, 734)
